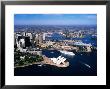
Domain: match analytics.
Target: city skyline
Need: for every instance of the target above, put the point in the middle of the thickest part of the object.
(55, 45)
(55, 19)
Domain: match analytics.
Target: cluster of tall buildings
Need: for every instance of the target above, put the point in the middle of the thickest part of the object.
(23, 40)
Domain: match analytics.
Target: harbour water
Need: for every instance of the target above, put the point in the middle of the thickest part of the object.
(87, 39)
(81, 64)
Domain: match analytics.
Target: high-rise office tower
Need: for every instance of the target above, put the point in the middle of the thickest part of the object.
(36, 39)
(40, 37)
(44, 35)
(27, 41)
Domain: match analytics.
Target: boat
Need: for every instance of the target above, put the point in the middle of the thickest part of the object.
(67, 53)
(40, 65)
(87, 65)
(51, 52)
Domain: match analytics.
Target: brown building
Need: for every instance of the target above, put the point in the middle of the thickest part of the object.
(39, 39)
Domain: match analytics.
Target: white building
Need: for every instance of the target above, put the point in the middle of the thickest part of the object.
(20, 45)
(24, 33)
(44, 35)
(30, 35)
(58, 60)
(22, 42)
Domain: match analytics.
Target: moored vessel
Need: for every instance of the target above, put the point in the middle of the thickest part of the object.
(67, 53)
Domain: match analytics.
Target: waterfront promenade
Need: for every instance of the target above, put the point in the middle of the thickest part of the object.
(48, 61)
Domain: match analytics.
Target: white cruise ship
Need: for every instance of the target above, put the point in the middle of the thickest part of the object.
(67, 53)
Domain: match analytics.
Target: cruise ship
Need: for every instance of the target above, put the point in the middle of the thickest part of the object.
(67, 53)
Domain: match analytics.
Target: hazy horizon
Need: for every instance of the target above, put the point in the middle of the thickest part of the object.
(55, 19)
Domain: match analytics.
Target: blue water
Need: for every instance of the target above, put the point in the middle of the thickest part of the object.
(56, 37)
(87, 39)
(77, 66)
(82, 64)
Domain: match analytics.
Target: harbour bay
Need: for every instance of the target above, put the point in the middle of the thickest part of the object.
(77, 66)
(50, 48)
(81, 64)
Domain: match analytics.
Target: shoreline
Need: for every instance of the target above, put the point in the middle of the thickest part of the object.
(45, 61)
(29, 64)
(52, 64)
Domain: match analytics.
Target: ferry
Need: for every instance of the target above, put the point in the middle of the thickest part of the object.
(87, 65)
(67, 53)
(40, 65)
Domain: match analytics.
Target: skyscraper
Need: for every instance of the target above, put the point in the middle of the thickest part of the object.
(44, 35)
(39, 39)
(36, 39)
(27, 41)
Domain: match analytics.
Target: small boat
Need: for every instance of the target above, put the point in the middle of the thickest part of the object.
(87, 65)
(40, 65)
(51, 52)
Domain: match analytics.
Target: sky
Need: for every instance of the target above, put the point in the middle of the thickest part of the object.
(55, 19)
